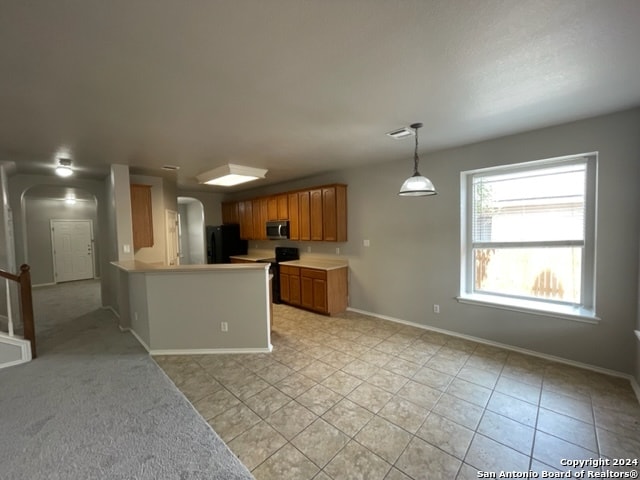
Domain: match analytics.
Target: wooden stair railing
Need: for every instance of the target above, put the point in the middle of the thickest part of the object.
(26, 303)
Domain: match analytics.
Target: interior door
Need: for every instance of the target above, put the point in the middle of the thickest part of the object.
(173, 240)
(72, 242)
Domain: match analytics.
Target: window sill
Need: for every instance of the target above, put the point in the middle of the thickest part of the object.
(531, 306)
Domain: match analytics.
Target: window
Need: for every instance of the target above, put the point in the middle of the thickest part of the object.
(528, 234)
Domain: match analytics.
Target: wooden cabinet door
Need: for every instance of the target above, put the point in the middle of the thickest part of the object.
(245, 212)
(262, 235)
(294, 289)
(284, 287)
(230, 213)
(255, 206)
(305, 215)
(260, 214)
(334, 213)
(329, 219)
(294, 217)
(306, 289)
(283, 206)
(320, 295)
(316, 214)
(141, 216)
(272, 208)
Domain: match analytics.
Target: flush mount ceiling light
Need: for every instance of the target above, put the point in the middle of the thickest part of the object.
(417, 185)
(64, 167)
(230, 175)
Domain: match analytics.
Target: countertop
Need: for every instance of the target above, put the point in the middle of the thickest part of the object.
(317, 263)
(255, 255)
(135, 266)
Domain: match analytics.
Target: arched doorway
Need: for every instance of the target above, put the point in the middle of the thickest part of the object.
(46, 206)
(193, 246)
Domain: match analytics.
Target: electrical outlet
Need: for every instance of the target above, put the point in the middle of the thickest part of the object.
(337, 250)
(308, 249)
(224, 326)
(135, 316)
(366, 243)
(436, 308)
(126, 248)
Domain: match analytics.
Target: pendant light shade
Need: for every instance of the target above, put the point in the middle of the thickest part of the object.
(417, 185)
(64, 167)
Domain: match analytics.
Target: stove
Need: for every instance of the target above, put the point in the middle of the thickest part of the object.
(283, 254)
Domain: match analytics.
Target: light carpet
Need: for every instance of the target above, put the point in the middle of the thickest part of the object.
(94, 405)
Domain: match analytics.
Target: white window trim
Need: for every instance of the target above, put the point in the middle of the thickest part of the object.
(583, 313)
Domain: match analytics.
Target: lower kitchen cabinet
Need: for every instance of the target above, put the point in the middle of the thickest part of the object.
(290, 285)
(323, 291)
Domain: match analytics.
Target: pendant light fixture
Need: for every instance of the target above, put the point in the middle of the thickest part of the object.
(64, 167)
(417, 185)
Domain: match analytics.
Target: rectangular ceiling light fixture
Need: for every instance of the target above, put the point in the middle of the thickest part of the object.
(230, 175)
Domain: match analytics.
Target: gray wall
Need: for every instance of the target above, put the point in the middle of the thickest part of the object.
(414, 258)
(211, 203)
(207, 298)
(7, 260)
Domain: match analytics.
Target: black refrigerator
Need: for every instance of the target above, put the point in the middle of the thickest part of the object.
(224, 241)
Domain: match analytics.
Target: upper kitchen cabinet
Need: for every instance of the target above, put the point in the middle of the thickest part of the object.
(272, 208)
(323, 214)
(316, 214)
(304, 207)
(260, 214)
(141, 216)
(334, 213)
(294, 216)
(283, 206)
(245, 217)
(230, 213)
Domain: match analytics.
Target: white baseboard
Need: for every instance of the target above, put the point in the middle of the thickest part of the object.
(211, 351)
(14, 363)
(137, 337)
(196, 351)
(113, 310)
(524, 351)
(38, 285)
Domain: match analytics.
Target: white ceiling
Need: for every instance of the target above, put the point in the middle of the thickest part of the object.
(298, 86)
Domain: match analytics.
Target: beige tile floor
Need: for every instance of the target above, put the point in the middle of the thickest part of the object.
(355, 397)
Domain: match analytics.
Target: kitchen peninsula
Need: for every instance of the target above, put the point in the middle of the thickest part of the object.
(319, 283)
(197, 309)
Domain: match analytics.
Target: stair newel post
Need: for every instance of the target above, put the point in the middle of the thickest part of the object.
(26, 307)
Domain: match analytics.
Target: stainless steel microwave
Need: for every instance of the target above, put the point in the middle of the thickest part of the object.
(277, 229)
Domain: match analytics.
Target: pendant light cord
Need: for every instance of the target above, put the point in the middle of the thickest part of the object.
(415, 155)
